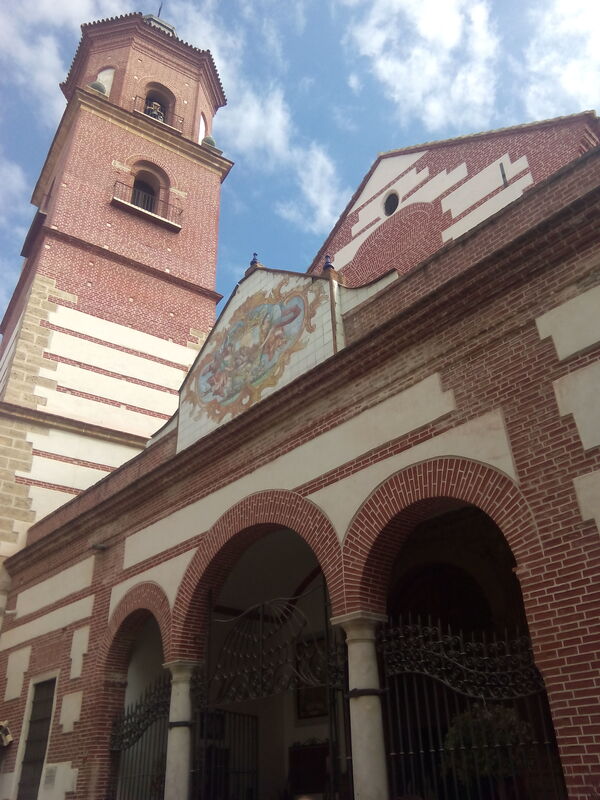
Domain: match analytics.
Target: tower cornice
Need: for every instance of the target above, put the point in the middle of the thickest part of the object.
(95, 103)
(129, 26)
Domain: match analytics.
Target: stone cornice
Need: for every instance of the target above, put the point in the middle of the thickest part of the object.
(128, 27)
(94, 102)
(38, 417)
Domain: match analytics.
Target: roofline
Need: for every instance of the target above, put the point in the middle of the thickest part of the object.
(138, 17)
(492, 132)
(591, 114)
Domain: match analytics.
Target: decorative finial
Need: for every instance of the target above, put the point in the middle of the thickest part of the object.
(328, 265)
(254, 261)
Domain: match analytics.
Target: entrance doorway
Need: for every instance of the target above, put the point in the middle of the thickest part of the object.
(465, 707)
(269, 710)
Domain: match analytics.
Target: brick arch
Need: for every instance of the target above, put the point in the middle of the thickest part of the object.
(391, 512)
(237, 529)
(126, 620)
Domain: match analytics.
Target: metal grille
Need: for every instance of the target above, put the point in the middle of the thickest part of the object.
(136, 198)
(268, 650)
(37, 740)
(466, 720)
(225, 756)
(139, 745)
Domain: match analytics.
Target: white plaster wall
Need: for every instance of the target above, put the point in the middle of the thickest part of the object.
(487, 209)
(351, 298)
(587, 489)
(70, 580)
(317, 344)
(394, 417)
(62, 473)
(7, 781)
(573, 325)
(578, 393)
(57, 780)
(167, 575)
(117, 334)
(482, 184)
(96, 413)
(122, 390)
(16, 667)
(387, 169)
(418, 186)
(146, 663)
(53, 621)
(70, 710)
(75, 446)
(103, 357)
(482, 439)
(79, 647)
(44, 501)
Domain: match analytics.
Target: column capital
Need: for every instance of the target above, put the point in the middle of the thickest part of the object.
(359, 624)
(181, 671)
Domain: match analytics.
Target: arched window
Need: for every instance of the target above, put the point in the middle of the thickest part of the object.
(105, 77)
(159, 103)
(202, 130)
(143, 194)
(146, 191)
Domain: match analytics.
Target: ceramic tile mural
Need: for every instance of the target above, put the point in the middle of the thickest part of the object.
(253, 351)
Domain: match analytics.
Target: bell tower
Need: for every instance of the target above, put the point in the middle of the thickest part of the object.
(117, 291)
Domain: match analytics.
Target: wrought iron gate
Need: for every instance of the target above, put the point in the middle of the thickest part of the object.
(466, 720)
(139, 746)
(268, 650)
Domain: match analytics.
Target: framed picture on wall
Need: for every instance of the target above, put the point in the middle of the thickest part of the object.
(311, 702)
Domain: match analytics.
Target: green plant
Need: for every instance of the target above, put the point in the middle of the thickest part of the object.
(486, 741)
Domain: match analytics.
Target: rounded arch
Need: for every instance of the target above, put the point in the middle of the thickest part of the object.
(152, 172)
(150, 188)
(159, 101)
(415, 493)
(106, 76)
(224, 543)
(125, 622)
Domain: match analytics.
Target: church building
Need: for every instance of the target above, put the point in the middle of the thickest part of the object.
(342, 542)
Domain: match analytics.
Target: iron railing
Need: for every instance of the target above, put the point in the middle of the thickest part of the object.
(166, 116)
(224, 755)
(145, 201)
(139, 746)
(466, 719)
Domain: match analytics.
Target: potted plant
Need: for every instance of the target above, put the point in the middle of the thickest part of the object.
(487, 741)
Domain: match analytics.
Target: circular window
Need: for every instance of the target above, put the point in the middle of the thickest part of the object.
(391, 204)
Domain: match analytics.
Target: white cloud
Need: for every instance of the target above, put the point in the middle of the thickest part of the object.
(322, 198)
(257, 123)
(436, 61)
(13, 189)
(354, 82)
(563, 58)
(30, 47)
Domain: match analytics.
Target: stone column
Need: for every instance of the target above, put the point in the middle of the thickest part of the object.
(366, 718)
(179, 744)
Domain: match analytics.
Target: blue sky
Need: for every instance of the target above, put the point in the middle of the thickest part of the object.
(316, 88)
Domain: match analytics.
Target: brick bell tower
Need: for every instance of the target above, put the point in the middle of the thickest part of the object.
(117, 291)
